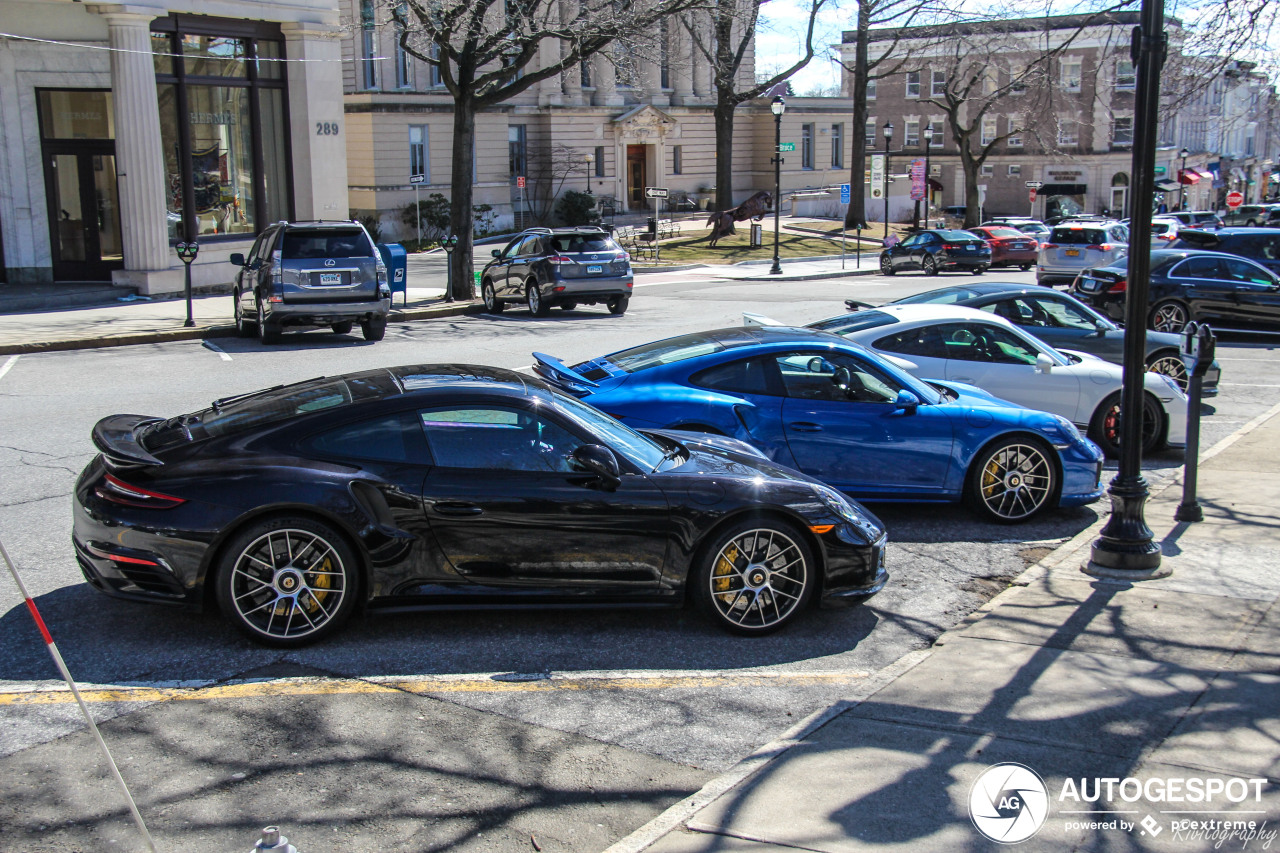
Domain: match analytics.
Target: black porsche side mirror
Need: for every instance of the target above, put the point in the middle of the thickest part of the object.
(599, 460)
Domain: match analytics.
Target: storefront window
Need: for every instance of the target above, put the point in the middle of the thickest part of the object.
(223, 129)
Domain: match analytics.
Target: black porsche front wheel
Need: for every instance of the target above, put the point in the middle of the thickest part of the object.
(754, 577)
(287, 581)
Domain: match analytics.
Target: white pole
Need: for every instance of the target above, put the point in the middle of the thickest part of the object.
(417, 205)
(655, 229)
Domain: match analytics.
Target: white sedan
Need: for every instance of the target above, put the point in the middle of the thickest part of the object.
(978, 348)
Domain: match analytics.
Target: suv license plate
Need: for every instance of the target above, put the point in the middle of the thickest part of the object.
(329, 279)
(593, 270)
(1072, 253)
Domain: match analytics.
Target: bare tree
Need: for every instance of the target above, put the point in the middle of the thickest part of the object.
(549, 167)
(722, 36)
(488, 51)
(897, 14)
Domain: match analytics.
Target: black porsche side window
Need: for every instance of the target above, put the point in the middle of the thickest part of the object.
(391, 438)
(497, 439)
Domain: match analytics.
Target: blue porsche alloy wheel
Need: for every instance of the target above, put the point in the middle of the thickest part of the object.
(755, 577)
(1013, 480)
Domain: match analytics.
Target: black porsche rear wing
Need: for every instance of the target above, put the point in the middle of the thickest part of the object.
(117, 438)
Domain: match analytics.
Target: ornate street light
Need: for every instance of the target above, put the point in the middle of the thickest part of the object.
(779, 106)
(928, 141)
(888, 135)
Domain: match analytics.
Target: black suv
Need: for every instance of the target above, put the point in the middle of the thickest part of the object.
(565, 267)
(311, 274)
(1260, 245)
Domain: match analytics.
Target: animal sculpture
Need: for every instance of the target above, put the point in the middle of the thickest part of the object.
(721, 222)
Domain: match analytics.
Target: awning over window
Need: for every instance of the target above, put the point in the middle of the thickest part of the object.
(1166, 186)
(1202, 173)
(1188, 176)
(1063, 189)
(935, 184)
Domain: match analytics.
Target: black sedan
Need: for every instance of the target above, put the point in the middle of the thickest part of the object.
(1062, 321)
(1224, 290)
(438, 485)
(937, 250)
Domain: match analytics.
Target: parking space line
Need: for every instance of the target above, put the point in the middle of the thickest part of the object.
(427, 685)
(214, 347)
(8, 364)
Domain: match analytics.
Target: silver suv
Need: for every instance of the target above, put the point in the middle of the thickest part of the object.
(1075, 245)
(311, 274)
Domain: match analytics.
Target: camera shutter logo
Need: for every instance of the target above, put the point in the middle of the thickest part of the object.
(1008, 803)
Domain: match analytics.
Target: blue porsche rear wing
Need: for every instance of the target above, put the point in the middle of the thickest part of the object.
(558, 374)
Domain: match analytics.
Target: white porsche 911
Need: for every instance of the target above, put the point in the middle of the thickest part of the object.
(978, 348)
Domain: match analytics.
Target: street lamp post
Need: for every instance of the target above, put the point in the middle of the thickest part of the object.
(1182, 180)
(928, 142)
(888, 135)
(591, 159)
(449, 243)
(779, 106)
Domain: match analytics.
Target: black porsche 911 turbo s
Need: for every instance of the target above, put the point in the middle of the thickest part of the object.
(443, 485)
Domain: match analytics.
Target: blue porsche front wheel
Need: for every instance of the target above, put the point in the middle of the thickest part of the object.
(1012, 481)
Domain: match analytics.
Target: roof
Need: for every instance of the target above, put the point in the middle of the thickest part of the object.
(927, 313)
(1014, 25)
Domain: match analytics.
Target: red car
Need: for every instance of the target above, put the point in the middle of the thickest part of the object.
(1009, 246)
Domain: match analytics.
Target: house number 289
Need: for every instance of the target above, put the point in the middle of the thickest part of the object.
(326, 128)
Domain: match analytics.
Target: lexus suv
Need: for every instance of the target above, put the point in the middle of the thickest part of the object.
(324, 273)
(558, 267)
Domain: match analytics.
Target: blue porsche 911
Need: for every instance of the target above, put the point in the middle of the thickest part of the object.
(845, 415)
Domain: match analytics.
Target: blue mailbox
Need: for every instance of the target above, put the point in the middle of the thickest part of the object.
(397, 263)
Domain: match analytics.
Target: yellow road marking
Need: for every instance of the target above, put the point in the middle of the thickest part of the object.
(445, 684)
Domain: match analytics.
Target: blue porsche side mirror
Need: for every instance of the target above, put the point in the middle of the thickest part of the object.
(906, 401)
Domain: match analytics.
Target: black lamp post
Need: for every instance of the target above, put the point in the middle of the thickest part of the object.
(1125, 547)
(928, 141)
(1182, 180)
(591, 159)
(187, 251)
(449, 243)
(888, 135)
(779, 106)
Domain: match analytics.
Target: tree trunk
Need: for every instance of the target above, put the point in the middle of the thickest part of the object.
(970, 165)
(461, 263)
(856, 214)
(724, 152)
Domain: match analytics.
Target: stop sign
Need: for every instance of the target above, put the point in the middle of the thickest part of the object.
(1235, 199)
(1032, 192)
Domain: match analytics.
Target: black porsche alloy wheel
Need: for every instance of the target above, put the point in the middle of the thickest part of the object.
(1012, 481)
(533, 296)
(491, 302)
(1168, 316)
(1105, 426)
(1169, 364)
(287, 581)
(755, 577)
(929, 265)
(244, 326)
(268, 333)
(886, 266)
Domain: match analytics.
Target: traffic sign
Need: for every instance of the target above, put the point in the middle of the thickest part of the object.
(1235, 199)
(845, 194)
(1034, 185)
(1032, 192)
(786, 146)
(655, 192)
(520, 182)
(417, 179)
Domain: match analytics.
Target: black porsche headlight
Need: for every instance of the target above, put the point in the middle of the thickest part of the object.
(848, 511)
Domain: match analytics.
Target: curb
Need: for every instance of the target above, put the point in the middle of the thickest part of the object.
(679, 814)
(213, 331)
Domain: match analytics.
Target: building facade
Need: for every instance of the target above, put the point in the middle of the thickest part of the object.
(127, 128)
(601, 128)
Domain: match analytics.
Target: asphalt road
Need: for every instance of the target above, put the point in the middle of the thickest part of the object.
(416, 731)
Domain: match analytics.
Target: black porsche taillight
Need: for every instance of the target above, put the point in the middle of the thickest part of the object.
(118, 491)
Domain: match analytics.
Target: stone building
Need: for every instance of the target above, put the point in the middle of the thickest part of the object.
(126, 128)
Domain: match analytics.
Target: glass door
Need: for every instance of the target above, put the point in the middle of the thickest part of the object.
(84, 211)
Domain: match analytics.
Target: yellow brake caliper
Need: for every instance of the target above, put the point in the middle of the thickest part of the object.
(322, 581)
(723, 572)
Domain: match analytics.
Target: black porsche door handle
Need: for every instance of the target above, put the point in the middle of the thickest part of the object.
(457, 509)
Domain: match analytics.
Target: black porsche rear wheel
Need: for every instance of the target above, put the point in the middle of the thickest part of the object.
(287, 581)
(754, 577)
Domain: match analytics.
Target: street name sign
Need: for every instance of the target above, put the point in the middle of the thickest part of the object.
(786, 146)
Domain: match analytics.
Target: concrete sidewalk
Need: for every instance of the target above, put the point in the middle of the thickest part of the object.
(1076, 678)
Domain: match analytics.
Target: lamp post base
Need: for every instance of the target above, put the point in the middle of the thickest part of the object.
(1125, 547)
(1093, 569)
(776, 269)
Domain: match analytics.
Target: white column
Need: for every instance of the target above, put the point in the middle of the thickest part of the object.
(684, 56)
(701, 67)
(319, 161)
(139, 154)
(604, 76)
